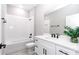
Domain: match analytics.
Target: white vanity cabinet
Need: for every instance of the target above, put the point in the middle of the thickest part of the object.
(44, 48)
(54, 47)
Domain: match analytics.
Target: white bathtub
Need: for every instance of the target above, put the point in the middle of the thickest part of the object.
(15, 41)
(14, 46)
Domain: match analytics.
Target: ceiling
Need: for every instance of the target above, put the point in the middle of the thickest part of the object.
(27, 7)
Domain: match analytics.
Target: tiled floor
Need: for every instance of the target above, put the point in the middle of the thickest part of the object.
(23, 52)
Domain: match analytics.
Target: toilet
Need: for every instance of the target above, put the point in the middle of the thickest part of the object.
(30, 45)
(31, 48)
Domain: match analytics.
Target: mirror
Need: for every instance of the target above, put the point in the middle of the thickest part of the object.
(66, 16)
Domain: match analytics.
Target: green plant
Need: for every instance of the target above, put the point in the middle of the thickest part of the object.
(73, 33)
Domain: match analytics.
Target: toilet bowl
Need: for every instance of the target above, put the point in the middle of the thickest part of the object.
(30, 45)
(31, 48)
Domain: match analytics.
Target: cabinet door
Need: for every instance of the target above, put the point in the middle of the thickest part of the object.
(48, 50)
(44, 47)
(39, 49)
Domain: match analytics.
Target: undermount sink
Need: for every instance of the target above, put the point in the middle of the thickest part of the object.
(48, 36)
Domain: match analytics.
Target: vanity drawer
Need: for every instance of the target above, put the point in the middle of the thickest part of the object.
(43, 42)
(64, 51)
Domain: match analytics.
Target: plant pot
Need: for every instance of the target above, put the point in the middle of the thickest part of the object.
(74, 40)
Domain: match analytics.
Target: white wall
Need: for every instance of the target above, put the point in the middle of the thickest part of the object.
(46, 25)
(40, 20)
(17, 11)
(31, 13)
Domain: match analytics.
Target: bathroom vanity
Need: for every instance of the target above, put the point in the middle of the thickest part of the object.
(55, 46)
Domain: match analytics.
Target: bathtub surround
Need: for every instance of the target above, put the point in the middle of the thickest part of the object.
(17, 29)
(17, 22)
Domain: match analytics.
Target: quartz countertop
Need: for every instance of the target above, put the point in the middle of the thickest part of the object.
(62, 41)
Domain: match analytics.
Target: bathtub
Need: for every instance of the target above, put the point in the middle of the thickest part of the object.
(14, 46)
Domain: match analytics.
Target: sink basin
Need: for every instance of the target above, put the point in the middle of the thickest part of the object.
(51, 38)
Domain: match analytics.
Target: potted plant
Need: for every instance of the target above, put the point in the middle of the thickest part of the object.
(73, 33)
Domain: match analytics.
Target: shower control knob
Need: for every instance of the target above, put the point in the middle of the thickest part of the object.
(4, 21)
(30, 35)
(2, 46)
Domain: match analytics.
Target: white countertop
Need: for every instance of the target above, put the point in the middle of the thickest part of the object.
(61, 41)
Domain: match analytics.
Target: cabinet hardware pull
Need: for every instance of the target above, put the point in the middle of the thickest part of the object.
(44, 51)
(63, 52)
